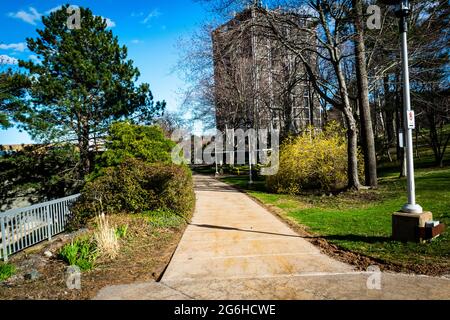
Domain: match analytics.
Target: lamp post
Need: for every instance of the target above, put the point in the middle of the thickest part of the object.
(402, 10)
(215, 156)
(250, 159)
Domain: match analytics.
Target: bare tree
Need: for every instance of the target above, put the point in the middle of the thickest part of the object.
(248, 78)
(367, 134)
(196, 66)
(332, 49)
(428, 38)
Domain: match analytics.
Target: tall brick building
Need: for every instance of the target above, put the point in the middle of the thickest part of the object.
(259, 83)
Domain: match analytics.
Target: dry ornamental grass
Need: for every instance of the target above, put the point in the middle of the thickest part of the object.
(106, 239)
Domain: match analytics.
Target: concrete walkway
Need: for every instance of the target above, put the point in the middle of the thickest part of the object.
(236, 249)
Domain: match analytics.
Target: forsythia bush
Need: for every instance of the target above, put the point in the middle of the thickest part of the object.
(312, 160)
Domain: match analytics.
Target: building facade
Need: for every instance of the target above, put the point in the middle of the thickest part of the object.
(259, 82)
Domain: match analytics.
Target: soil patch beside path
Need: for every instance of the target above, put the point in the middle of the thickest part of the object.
(144, 255)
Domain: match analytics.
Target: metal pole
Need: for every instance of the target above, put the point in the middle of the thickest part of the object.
(411, 206)
(215, 156)
(49, 226)
(250, 160)
(3, 234)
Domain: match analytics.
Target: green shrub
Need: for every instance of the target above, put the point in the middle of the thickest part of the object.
(6, 271)
(81, 252)
(126, 140)
(312, 160)
(134, 187)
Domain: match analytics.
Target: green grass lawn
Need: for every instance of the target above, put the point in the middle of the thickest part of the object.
(361, 221)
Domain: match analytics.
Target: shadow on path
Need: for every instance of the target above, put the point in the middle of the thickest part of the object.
(215, 188)
(346, 237)
(245, 230)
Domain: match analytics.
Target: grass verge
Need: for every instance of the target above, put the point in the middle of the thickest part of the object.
(360, 222)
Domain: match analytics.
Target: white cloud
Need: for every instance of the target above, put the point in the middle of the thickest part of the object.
(137, 14)
(22, 46)
(30, 17)
(109, 22)
(34, 58)
(155, 13)
(136, 41)
(53, 9)
(4, 59)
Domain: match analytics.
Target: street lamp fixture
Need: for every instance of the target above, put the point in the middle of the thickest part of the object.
(402, 10)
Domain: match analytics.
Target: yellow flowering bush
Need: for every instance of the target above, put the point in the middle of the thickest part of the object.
(312, 160)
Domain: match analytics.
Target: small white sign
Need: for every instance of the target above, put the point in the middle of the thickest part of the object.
(401, 139)
(411, 120)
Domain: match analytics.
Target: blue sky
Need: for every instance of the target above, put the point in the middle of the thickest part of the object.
(150, 29)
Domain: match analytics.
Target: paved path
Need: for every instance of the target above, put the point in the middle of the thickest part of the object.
(236, 249)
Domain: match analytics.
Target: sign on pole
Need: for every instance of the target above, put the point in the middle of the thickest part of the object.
(411, 120)
(401, 139)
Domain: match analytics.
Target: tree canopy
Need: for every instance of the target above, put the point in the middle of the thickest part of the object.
(83, 83)
(13, 88)
(146, 143)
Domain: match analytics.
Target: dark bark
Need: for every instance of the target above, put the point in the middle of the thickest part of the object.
(83, 144)
(370, 160)
(389, 113)
(352, 151)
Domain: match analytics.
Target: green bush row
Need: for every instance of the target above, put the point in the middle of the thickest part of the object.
(136, 186)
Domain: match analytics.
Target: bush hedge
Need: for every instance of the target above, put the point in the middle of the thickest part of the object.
(136, 186)
(126, 140)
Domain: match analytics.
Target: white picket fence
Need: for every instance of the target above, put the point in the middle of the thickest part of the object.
(24, 227)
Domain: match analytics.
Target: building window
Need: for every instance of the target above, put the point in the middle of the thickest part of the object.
(297, 113)
(306, 109)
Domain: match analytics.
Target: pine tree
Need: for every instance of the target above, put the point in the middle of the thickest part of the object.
(12, 89)
(83, 83)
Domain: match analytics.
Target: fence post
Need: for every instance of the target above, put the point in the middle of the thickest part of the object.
(49, 226)
(4, 246)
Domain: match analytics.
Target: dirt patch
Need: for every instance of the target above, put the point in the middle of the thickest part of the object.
(144, 255)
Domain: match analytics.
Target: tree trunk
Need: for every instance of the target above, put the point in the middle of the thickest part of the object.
(352, 151)
(388, 110)
(398, 102)
(83, 144)
(370, 160)
(352, 132)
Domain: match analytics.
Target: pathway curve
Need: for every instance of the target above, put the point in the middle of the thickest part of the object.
(236, 249)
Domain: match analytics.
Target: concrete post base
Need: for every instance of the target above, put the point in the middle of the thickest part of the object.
(405, 225)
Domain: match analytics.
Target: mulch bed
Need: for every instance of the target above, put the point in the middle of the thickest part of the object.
(144, 255)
